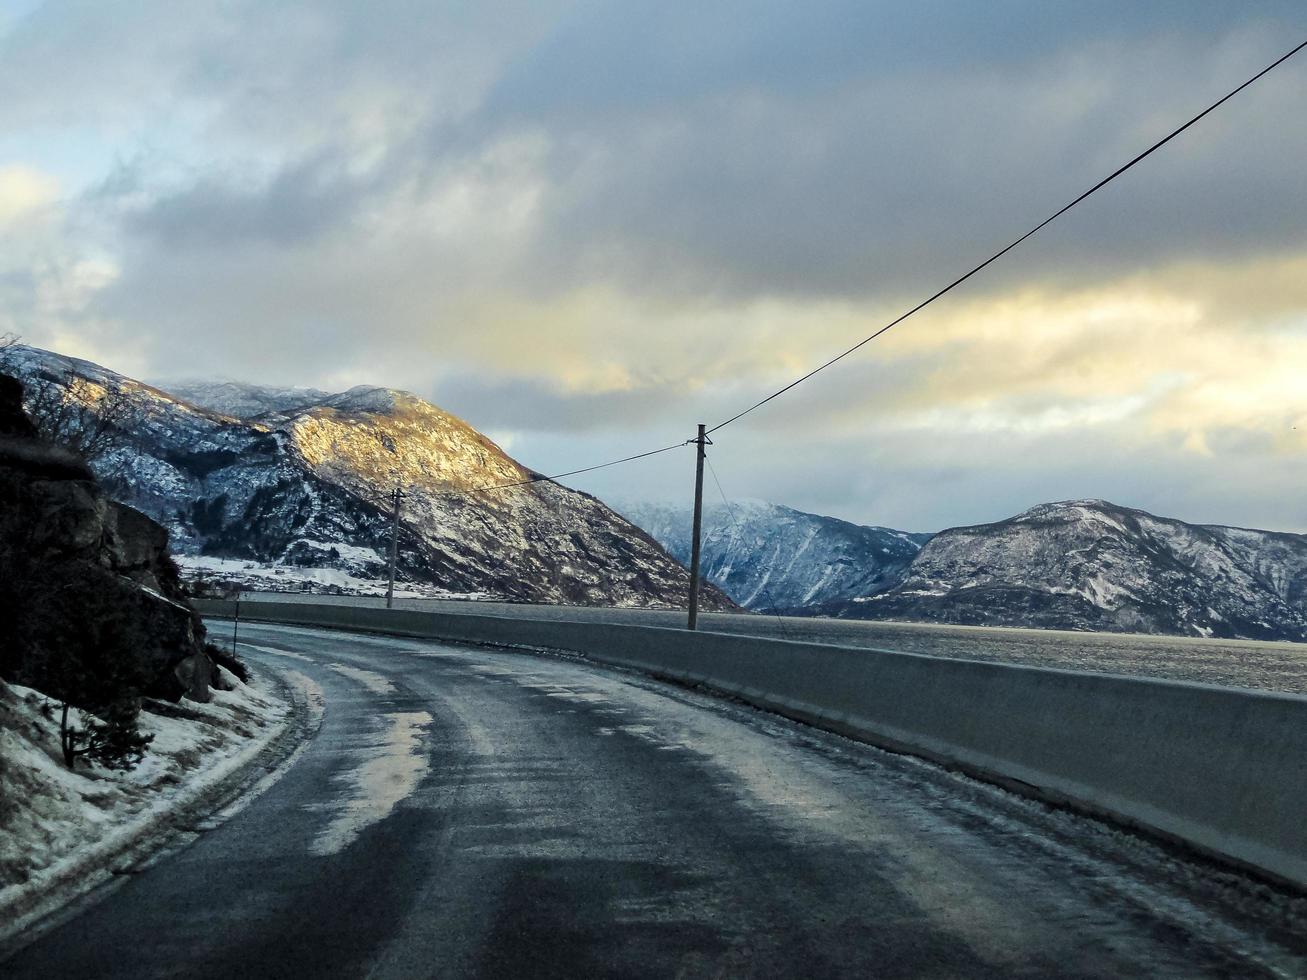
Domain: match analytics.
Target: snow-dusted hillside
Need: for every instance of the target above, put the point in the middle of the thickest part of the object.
(1089, 564)
(767, 556)
(307, 485)
(244, 401)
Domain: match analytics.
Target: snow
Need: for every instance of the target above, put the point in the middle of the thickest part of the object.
(240, 400)
(367, 398)
(1102, 592)
(52, 819)
(388, 772)
(160, 596)
(906, 538)
(347, 552)
(273, 578)
(1089, 511)
(766, 555)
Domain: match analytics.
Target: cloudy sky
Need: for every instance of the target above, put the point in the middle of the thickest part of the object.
(585, 227)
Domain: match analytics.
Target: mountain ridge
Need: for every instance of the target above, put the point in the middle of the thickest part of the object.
(305, 485)
(771, 557)
(1093, 564)
(241, 400)
(308, 486)
(1084, 564)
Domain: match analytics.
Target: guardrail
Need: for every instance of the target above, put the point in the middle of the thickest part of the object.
(1219, 769)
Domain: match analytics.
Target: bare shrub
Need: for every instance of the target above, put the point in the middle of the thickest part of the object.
(87, 418)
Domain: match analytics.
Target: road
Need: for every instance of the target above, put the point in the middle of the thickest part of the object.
(472, 813)
(1270, 666)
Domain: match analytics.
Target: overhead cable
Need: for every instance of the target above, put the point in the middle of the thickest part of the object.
(924, 303)
(539, 478)
(999, 254)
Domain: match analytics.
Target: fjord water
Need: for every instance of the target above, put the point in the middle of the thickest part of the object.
(1254, 664)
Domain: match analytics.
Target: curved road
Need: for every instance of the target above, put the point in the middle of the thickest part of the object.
(466, 813)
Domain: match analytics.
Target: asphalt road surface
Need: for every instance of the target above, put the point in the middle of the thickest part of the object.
(471, 813)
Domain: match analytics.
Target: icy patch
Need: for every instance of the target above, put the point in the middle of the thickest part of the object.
(372, 681)
(659, 740)
(276, 652)
(390, 773)
(492, 670)
(314, 696)
(582, 697)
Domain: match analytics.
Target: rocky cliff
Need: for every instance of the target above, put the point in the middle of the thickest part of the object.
(67, 550)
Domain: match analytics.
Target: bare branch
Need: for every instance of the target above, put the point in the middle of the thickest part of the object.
(8, 341)
(84, 416)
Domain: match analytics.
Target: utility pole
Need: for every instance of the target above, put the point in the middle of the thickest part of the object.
(701, 441)
(394, 548)
(236, 624)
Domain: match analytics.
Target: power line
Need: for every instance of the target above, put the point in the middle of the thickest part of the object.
(586, 469)
(920, 306)
(999, 254)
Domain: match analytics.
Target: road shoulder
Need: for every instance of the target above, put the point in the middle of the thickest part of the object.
(196, 805)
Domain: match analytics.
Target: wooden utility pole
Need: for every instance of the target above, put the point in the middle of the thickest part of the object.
(394, 548)
(701, 441)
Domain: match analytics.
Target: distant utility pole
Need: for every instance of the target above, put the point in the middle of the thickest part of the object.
(700, 441)
(397, 495)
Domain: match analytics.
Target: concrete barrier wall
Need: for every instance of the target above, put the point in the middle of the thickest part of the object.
(1223, 770)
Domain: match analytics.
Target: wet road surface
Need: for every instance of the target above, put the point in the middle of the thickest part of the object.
(471, 813)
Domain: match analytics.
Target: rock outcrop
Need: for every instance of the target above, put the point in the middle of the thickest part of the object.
(65, 545)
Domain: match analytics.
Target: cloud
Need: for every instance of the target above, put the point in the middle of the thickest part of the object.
(24, 193)
(591, 223)
(52, 270)
(300, 203)
(873, 150)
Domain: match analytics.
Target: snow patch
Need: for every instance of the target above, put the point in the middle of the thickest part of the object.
(279, 653)
(390, 772)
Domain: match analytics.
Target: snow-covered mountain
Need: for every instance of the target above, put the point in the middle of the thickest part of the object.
(305, 485)
(1089, 564)
(244, 401)
(765, 556)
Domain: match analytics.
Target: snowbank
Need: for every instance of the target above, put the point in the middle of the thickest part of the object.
(57, 825)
